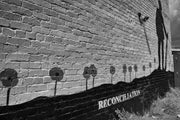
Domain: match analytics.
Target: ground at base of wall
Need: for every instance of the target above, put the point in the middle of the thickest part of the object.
(167, 108)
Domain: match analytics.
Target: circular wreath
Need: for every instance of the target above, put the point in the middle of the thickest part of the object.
(9, 77)
(93, 70)
(56, 73)
(112, 70)
(86, 73)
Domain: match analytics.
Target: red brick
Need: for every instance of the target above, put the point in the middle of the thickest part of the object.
(73, 25)
(40, 37)
(63, 5)
(31, 35)
(15, 2)
(58, 9)
(45, 31)
(3, 100)
(24, 65)
(27, 49)
(38, 80)
(22, 26)
(18, 90)
(35, 65)
(72, 14)
(64, 28)
(3, 39)
(21, 11)
(71, 42)
(87, 34)
(72, 84)
(92, 1)
(22, 98)
(63, 53)
(9, 49)
(31, 21)
(41, 16)
(32, 7)
(47, 79)
(8, 32)
(57, 21)
(36, 45)
(12, 65)
(49, 25)
(57, 33)
(34, 58)
(5, 7)
(10, 16)
(37, 88)
(19, 41)
(27, 81)
(51, 86)
(20, 34)
(1, 50)
(38, 72)
(50, 12)
(3, 92)
(41, 3)
(4, 22)
(74, 77)
(18, 57)
(23, 73)
(45, 51)
(65, 17)
(58, 40)
(99, 38)
(2, 56)
(74, 90)
(84, 39)
(78, 32)
(49, 39)
(71, 36)
(36, 29)
(68, 1)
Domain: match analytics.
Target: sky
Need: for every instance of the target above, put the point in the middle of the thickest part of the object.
(174, 6)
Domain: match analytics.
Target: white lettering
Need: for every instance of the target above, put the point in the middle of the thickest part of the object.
(124, 97)
(108, 102)
(117, 99)
(113, 100)
(105, 103)
(100, 105)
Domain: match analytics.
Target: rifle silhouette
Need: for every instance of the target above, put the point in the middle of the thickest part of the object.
(142, 21)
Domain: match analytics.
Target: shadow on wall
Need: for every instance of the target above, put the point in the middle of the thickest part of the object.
(124, 71)
(112, 71)
(161, 31)
(57, 75)
(136, 70)
(88, 72)
(130, 71)
(9, 79)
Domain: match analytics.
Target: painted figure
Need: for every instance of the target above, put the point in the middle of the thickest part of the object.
(161, 32)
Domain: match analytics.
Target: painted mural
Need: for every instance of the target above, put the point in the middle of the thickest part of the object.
(120, 89)
(162, 38)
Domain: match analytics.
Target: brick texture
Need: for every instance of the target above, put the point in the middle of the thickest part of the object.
(38, 35)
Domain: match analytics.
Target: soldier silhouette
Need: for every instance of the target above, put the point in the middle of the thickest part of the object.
(161, 31)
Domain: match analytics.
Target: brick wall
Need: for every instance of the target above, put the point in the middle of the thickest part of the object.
(37, 35)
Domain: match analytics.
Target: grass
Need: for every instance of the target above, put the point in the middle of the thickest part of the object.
(167, 108)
